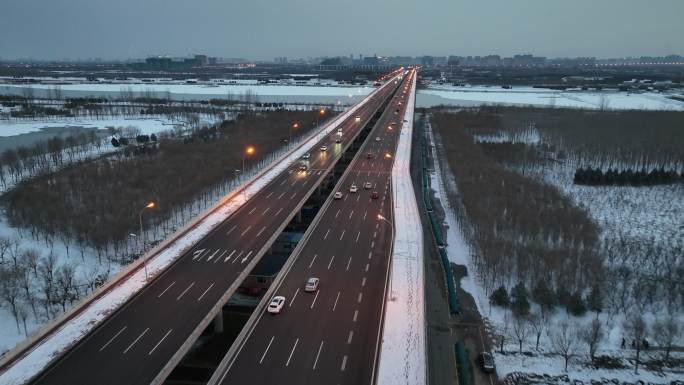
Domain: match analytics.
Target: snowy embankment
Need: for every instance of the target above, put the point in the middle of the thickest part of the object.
(402, 352)
(528, 96)
(31, 357)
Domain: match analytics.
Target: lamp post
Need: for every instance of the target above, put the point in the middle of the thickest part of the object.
(142, 234)
(295, 125)
(382, 218)
(248, 151)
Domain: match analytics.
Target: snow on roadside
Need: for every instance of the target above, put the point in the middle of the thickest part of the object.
(403, 353)
(43, 352)
(147, 126)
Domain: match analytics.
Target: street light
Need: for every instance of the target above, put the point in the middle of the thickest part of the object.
(150, 205)
(295, 126)
(382, 218)
(248, 151)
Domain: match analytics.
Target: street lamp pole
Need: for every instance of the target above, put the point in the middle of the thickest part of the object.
(142, 234)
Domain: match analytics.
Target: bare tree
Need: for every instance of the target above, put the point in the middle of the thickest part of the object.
(65, 282)
(538, 325)
(592, 334)
(635, 326)
(46, 272)
(5, 245)
(9, 291)
(665, 332)
(564, 341)
(521, 331)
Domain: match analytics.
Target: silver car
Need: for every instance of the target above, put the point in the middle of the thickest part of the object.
(311, 284)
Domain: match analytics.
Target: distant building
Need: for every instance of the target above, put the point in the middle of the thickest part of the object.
(427, 61)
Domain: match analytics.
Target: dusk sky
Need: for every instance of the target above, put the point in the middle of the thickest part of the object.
(263, 29)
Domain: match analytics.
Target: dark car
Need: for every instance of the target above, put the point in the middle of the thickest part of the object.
(375, 195)
(486, 362)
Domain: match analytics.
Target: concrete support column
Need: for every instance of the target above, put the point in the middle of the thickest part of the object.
(218, 323)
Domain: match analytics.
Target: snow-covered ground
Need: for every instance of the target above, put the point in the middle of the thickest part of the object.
(544, 360)
(403, 353)
(283, 93)
(146, 125)
(42, 353)
(519, 96)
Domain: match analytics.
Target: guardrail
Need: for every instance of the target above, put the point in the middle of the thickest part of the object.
(436, 227)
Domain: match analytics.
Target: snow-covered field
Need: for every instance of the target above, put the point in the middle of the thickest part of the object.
(284, 93)
(608, 209)
(146, 125)
(520, 96)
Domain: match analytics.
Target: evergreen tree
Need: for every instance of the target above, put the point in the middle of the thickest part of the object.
(543, 295)
(575, 304)
(519, 300)
(500, 297)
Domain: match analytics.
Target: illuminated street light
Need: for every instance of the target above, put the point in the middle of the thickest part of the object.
(295, 125)
(387, 155)
(150, 205)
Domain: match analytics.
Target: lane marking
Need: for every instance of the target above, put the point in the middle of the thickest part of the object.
(185, 291)
(294, 194)
(292, 352)
(162, 293)
(375, 234)
(221, 256)
(136, 340)
(269, 194)
(357, 237)
(293, 298)
(265, 211)
(279, 211)
(326, 234)
(212, 256)
(231, 229)
(229, 255)
(246, 230)
(196, 254)
(358, 197)
(318, 354)
(251, 211)
(349, 263)
(356, 314)
(293, 183)
(281, 195)
(360, 297)
(367, 266)
(349, 339)
(245, 258)
(363, 282)
(336, 299)
(314, 300)
(338, 213)
(351, 213)
(283, 182)
(344, 363)
(238, 256)
(159, 343)
(266, 351)
(205, 292)
(377, 225)
(364, 214)
(372, 244)
(342, 236)
(331, 261)
(112, 339)
(312, 260)
(370, 254)
(261, 231)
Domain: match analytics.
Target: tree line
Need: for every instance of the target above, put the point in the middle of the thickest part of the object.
(597, 177)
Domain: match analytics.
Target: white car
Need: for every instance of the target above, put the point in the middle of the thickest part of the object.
(368, 185)
(306, 156)
(358, 118)
(338, 195)
(324, 148)
(311, 284)
(276, 304)
(353, 188)
(377, 138)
